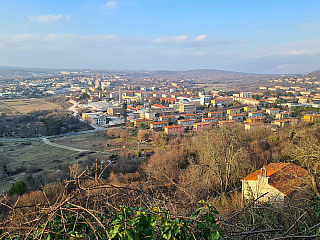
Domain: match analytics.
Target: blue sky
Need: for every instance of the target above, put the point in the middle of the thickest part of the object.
(250, 36)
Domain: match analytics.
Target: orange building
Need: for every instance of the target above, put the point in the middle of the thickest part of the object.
(227, 123)
(174, 129)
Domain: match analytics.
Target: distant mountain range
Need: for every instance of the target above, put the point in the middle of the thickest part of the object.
(204, 74)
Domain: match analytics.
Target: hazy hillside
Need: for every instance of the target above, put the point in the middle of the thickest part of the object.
(315, 74)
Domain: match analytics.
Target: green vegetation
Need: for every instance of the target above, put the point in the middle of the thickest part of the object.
(19, 188)
(154, 193)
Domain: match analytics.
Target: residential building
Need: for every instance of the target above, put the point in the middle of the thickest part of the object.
(256, 120)
(282, 122)
(190, 116)
(250, 108)
(187, 108)
(311, 117)
(174, 129)
(149, 114)
(283, 115)
(210, 119)
(272, 111)
(255, 114)
(248, 101)
(95, 118)
(215, 114)
(202, 126)
(142, 122)
(227, 123)
(249, 126)
(236, 117)
(186, 122)
(276, 180)
(167, 118)
(246, 94)
(222, 101)
(233, 111)
(158, 125)
(157, 106)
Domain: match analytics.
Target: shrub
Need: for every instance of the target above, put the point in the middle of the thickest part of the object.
(19, 187)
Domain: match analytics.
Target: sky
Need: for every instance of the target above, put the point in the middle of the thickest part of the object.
(265, 36)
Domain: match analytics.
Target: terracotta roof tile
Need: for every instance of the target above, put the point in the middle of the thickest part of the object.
(286, 177)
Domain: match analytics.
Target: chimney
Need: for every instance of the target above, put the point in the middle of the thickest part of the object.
(264, 171)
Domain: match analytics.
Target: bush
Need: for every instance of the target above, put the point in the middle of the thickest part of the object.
(19, 187)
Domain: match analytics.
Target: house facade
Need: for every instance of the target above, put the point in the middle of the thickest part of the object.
(215, 114)
(202, 126)
(142, 122)
(233, 111)
(174, 129)
(186, 122)
(158, 125)
(210, 119)
(276, 180)
(255, 114)
(236, 117)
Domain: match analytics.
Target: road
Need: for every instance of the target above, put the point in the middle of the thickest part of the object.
(73, 109)
(46, 141)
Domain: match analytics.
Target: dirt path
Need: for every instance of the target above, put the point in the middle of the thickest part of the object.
(46, 141)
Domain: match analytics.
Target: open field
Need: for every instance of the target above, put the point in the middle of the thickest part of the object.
(39, 158)
(43, 159)
(24, 106)
(94, 142)
(5, 109)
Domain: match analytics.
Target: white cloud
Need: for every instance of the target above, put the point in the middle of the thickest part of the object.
(50, 37)
(175, 39)
(68, 17)
(111, 5)
(308, 26)
(110, 37)
(21, 37)
(262, 31)
(48, 19)
(294, 52)
(201, 37)
(201, 53)
(244, 40)
(1, 45)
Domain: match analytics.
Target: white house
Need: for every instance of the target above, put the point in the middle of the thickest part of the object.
(279, 180)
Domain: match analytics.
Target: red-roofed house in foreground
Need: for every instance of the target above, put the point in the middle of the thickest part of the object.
(280, 180)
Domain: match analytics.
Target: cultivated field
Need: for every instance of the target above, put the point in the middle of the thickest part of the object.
(24, 106)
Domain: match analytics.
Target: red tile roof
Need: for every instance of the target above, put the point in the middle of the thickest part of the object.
(157, 123)
(286, 177)
(174, 126)
(158, 106)
(142, 120)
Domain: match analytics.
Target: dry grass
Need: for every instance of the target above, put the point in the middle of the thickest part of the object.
(24, 106)
(93, 196)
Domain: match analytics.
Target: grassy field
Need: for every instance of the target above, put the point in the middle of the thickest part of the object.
(46, 159)
(24, 106)
(35, 156)
(5, 109)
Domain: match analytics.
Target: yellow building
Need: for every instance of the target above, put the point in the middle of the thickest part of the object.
(233, 111)
(140, 122)
(256, 120)
(311, 117)
(250, 108)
